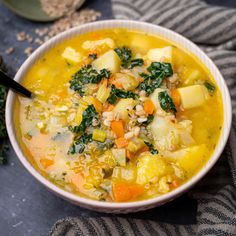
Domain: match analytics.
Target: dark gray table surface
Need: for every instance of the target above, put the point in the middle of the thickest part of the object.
(28, 208)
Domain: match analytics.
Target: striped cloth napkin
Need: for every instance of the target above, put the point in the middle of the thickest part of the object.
(214, 30)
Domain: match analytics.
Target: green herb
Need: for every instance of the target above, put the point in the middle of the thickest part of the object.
(166, 102)
(136, 62)
(125, 55)
(151, 148)
(87, 75)
(93, 56)
(87, 117)
(119, 93)
(157, 73)
(108, 144)
(210, 87)
(78, 145)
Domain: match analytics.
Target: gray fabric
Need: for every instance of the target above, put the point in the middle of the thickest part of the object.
(214, 29)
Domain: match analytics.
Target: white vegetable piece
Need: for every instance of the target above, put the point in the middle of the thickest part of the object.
(160, 54)
(71, 55)
(92, 44)
(192, 96)
(109, 60)
(170, 136)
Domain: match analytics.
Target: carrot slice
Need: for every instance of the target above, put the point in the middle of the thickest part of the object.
(121, 142)
(98, 105)
(110, 107)
(46, 162)
(176, 97)
(125, 192)
(121, 192)
(118, 128)
(129, 154)
(148, 106)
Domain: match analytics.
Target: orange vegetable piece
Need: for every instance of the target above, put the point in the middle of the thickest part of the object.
(118, 128)
(121, 142)
(110, 107)
(117, 84)
(46, 162)
(98, 105)
(176, 97)
(125, 192)
(78, 180)
(175, 184)
(148, 106)
(129, 154)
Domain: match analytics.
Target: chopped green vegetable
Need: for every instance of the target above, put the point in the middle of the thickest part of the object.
(119, 93)
(149, 120)
(87, 75)
(210, 87)
(151, 148)
(166, 102)
(125, 55)
(93, 56)
(157, 73)
(136, 62)
(87, 117)
(78, 145)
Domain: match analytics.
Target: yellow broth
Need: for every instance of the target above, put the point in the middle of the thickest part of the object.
(131, 169)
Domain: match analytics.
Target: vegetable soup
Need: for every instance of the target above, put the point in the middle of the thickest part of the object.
(119, 115)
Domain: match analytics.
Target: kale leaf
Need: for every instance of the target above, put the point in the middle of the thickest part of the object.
(157, 73)
(93, 56)
(151, 148)
(210, 87)
(166, 102)
(88, 115)
(87, 75)
(136, 62)
(119, 93)
(78, 145)
(125, 54)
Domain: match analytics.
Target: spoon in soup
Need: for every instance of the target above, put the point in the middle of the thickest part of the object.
(6, 81)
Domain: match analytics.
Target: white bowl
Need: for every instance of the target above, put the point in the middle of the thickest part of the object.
(152, 29)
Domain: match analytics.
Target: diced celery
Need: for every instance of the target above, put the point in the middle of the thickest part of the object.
(103, 93)
(120, 156)
(78, 116)
(116, 172)
(99, 135)
(135, 145)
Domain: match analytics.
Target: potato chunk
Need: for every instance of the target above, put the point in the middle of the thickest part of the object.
(109, 60)
(150, 168)
(192, 96)
(191, 158)
(93, 44)
(71, 55)
(160, 54)
(127, 81)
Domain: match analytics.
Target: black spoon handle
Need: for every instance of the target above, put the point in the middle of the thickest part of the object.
(6, 81)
